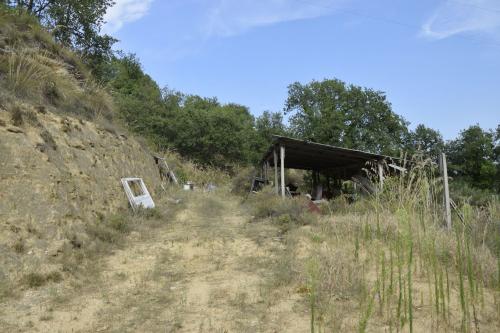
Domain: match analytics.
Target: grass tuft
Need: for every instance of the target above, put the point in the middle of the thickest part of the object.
(35, 280)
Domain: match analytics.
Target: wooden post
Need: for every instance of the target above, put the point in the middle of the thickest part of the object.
(276, 170)
(446, 190)
(266, 172)
(380, 167)
(282, 170)
(314, 184)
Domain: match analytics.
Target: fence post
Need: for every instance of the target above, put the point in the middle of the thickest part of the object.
(275, 155)
(282, 170)
(446, 191)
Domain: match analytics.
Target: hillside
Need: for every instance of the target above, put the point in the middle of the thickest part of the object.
(61, 153)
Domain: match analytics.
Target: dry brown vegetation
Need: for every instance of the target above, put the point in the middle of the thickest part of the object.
(215, 263)
(34, 68)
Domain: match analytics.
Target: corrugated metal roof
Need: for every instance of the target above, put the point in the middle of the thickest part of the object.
(307, 155)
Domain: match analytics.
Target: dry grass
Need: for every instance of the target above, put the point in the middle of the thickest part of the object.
(37, 70)
(385, 256)
(201, 176)
(35, 279)
(379, 267)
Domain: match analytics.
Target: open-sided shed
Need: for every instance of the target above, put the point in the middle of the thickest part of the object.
(341, 163)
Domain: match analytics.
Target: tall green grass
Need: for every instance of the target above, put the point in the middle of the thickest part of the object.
(422, 270)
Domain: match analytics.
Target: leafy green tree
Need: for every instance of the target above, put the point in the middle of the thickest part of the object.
(267, 125)
(138, 97)
(332, 112)
(426, 140)
(212, 133)
(76, 24)
(473, 156)
(199, 128)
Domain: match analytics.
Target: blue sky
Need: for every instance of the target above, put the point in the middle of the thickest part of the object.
(437, 61)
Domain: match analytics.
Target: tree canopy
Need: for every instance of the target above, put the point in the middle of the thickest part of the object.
(426, 140)
(332, 112)
(474, 156)
(74, 23)
(201, 128)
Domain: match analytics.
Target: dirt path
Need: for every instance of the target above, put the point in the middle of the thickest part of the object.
(203, 272)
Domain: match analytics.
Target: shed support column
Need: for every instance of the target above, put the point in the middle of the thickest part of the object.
(282, 171)
(266, 172)
(380, 168)
(276, 170)
(446, 190)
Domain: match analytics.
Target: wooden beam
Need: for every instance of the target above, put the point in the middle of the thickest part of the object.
(446, 190)
(282, 171)
(275, 155)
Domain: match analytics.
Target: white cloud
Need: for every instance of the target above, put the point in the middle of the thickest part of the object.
(463, 16)
(230, 17)
(125, 11)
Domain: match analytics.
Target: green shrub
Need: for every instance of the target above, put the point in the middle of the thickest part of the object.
(462, 192)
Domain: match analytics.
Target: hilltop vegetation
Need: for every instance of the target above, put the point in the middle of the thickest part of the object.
(329, 111)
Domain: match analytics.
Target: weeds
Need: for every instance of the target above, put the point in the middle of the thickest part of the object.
(51, 93)
(48, 139)
(35, 280)
(285, 213)
(24, 72)
(109, 231)
(19, 246)
(16, 116)
(401, 238)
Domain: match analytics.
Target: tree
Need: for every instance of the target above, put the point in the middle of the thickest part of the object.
(211, 133)
(76, 24)
(426, 140)
(335, 113)
(267, 125)
(474, 157)
(199, 128)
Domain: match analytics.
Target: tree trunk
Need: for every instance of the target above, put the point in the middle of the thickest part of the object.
(30, 6)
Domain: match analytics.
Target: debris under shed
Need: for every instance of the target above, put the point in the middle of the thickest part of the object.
(335, 163)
